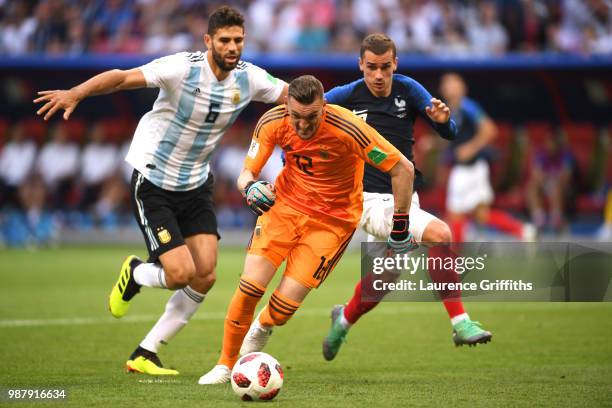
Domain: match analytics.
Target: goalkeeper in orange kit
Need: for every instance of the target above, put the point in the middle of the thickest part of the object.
(310, 215)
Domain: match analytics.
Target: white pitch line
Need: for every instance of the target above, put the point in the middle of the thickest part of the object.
(84, 321)
(387, 310)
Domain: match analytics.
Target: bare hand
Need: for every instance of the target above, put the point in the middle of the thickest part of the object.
(55, 100)
(438, 112)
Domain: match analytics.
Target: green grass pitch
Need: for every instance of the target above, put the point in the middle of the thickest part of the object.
(55, 332)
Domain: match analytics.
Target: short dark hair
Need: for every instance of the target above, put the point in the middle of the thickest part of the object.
(378, 44)
(306, 89)
(224, 16)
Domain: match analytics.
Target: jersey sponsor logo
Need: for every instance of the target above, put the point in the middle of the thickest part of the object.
(377, 156)
(196, 91)
(163, 235)
(253, 149)
(362, 114)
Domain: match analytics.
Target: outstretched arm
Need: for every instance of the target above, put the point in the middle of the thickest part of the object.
(104, 83)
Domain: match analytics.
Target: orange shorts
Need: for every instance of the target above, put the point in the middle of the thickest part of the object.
(311, 244)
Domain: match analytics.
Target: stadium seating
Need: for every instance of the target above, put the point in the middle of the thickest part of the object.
(35, 129)
(76, 129)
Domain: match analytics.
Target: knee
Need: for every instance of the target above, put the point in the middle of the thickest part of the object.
(180, 275)
(205, 283)
(204, 279)
(439, 233)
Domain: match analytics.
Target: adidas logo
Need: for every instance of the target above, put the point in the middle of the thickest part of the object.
(196, 91)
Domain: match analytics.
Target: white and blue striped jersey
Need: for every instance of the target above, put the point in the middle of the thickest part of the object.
(174, 142)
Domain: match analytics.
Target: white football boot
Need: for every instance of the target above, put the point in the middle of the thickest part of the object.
(256, 338)
(219, 374)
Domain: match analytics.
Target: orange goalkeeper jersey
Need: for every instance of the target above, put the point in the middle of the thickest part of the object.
(322, 175)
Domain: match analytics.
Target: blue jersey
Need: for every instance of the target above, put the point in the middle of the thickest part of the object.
(393, 117)
(468, 118)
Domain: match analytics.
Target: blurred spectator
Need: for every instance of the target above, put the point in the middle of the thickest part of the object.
(17, 29)
(98, 165)
(16, 162)
(550, 183)
(345, 38)
(487, 35)
(58, 165)
(586, 26)
(286, 27)
(111, 18)
(369, 15)
(534, 24)
(261, 23)
(51, 31)
(312, 37)
(30, 223)
(440, 26)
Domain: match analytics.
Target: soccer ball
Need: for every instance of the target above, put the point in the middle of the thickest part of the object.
(257, 376)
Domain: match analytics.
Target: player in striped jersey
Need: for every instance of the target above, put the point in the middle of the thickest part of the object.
(201, 95)
(310, 215)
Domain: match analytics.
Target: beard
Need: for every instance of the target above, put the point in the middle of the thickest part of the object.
(221, 62)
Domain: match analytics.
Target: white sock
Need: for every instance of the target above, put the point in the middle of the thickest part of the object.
(151, 275)
(343, 322)
(179, 309)
(459, 318)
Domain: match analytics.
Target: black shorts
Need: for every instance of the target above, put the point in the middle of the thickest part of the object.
(166, 218)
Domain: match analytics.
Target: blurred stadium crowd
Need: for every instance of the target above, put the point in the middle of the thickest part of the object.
(72, 175)
(440, 27)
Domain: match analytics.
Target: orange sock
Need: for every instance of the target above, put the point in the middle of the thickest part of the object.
(239, 316)
(278, 311)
